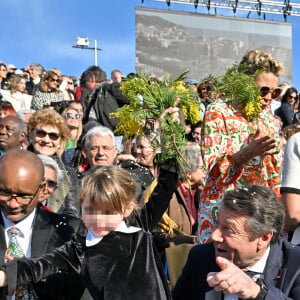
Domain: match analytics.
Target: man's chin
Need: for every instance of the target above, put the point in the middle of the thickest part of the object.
(15, 217)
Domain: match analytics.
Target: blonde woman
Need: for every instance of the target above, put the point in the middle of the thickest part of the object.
(17, 95)
(49, 91)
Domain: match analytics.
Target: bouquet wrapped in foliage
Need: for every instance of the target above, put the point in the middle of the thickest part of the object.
(149, 98)
(239, 88)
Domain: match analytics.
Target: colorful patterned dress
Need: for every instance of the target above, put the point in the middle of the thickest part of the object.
(226, 131)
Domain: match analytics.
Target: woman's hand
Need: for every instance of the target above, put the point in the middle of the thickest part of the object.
(259, 146)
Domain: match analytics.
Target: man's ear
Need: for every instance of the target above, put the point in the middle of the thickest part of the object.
(265, 240)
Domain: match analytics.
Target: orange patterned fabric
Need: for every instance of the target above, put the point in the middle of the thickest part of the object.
(225, 132)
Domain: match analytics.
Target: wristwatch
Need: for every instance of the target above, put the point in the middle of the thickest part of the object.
(263, 289)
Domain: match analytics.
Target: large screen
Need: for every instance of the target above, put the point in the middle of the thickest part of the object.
(174, 42)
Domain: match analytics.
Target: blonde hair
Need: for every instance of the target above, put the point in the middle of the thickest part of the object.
(44, 84)
(109, 186)
(48, 116)
(257, 60)
(14, 81)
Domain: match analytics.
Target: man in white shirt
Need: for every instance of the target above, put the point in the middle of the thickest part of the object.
(40, 231)
(247, 259)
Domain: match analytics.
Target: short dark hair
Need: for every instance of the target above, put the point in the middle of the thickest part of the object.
(99, 74)
(260, 204)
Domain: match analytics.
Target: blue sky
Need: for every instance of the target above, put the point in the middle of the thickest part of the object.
(44, 31)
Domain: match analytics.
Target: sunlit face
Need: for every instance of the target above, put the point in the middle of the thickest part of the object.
(101, 151)
(24, 182)
(91, 83)
(292, 98)
(3, 72)
(266, 80)
(34, 73)
(197, 177)
(73, 118)
(78, 107)
(145, 152)
(197, 135)
(101, 221)
(50, 183)
(21, 85)
(231, 239)
(116, 77)
(54, 82)
(45, 139)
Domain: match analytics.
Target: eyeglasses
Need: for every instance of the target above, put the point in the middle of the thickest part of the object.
(20, 199)
(71, 116)
(70, 82)
(4, 70)
(56, 80)
(52, 184)
(104, 148)
(54, 136)
(291, 97)
(265, 90)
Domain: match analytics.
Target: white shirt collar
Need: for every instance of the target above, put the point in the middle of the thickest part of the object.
(92, 239)
(259, 266)
(25, 226)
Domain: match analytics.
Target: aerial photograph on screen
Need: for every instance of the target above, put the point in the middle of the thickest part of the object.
(174, 42)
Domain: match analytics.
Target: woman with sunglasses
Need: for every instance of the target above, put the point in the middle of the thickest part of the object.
(286, 110)
(53, 176)
(74, 122)
(49, 91)
(238, 150)
(48, 135)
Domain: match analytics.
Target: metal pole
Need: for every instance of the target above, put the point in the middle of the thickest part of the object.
(96, 60)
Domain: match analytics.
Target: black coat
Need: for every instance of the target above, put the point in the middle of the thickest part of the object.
(51, 231)
(286, 114)
(282, 273)
(122, 265)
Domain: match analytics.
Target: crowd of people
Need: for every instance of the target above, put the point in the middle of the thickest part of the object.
(87, 213)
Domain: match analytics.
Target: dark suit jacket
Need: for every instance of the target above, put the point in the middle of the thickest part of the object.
(282, 273)
(51, 231)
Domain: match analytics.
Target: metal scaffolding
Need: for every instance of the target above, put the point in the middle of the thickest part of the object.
(283, 7)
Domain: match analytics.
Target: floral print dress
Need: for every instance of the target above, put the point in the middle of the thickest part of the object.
(226, 131)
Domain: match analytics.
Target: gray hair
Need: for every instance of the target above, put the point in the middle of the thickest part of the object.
(262, 208)
(98, 131)
(20, 113)
(37, 66)
(50, 162)
(193, 157)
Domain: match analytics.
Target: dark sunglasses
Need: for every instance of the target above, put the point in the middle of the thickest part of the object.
(70, 82)
(70, 116)
(265, 90)
(291, 97)
(51, 184)
(54, 136)
(56, 80)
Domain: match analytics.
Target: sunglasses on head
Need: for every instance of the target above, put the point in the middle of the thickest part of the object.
(265, 90)
(70, 116)
(54, 136)
(51, 184)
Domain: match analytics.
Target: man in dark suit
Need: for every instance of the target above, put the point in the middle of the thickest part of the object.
(41, 231)
(247, 259)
